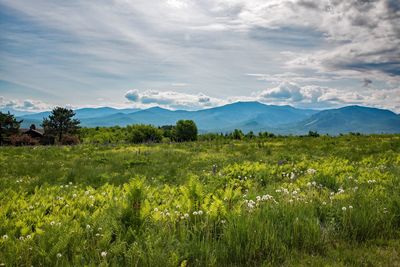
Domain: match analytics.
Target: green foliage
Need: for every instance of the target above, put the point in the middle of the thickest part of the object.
(8, 126)
(255, 202)
(143, 134)
(185, 130)
(237, 134)
(60, 122)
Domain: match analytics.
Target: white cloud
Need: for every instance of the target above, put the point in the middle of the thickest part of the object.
(23, 105)
(172, 99)
(320, 97)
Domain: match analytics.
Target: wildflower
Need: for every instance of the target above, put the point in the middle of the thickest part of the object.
(200, 212)
(21, 238)
(74, 195)
(186, 215)
(311, 171)
(223, 221)
(309, 184)
(61, 186)
(5, 237)
(344, 208)
(52, 223)
(87, 226)
(104, 193)
(314, 183)
(104, 254)
(87, 192)
(97, 234)
(278, 190)
(350, 207)
(70, 183)
(292, 175)
(195, 213)
(167, 214)
(100, 229)
(59, 255)
(66, 186)
(285, 191)
(258, 198)
(250, 204)
(155, 209)
(324, 203)
(28, 237)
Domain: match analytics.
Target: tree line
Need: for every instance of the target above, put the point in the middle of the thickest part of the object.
(60, 127)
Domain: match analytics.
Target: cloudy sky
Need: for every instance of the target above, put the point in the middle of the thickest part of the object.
(197, 54)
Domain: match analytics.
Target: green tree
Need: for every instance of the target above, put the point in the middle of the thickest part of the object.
(237, 134)
(8, 126)
(186, 130)
(144, 134)
(313, 134)
(60, 122)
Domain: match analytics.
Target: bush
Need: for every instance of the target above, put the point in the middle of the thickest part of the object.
(186, 130)
(69, 140)
(23, 140)
(144, 134)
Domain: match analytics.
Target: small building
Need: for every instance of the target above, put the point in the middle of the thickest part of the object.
(33, 132)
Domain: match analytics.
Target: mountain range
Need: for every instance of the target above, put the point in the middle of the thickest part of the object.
(247, 116)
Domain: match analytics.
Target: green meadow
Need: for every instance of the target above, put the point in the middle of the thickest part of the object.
(284, 201)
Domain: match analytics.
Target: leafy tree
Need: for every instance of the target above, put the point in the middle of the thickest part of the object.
(169, 131)
(237, 134)
(61, 122)
(186, 130)
(8, 126)
(144, 134)
(250, 135)
(313, 134)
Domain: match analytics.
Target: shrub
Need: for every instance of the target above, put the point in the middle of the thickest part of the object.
(69, 140)
(186, 130)
(144, 134)
(23, 140)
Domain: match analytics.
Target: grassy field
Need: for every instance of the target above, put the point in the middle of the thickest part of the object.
(327, 201)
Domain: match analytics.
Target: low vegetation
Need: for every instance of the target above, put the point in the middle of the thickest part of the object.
(214, 202)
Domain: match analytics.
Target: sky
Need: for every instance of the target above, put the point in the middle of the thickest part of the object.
(196, 54)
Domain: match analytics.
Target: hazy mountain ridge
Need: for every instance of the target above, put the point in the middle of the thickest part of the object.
(247, 116)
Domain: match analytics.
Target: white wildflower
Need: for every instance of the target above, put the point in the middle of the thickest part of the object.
(104, 254)
(200, 212)
(5, 237)
(59, 255)
(311, 171)
(344, 208)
